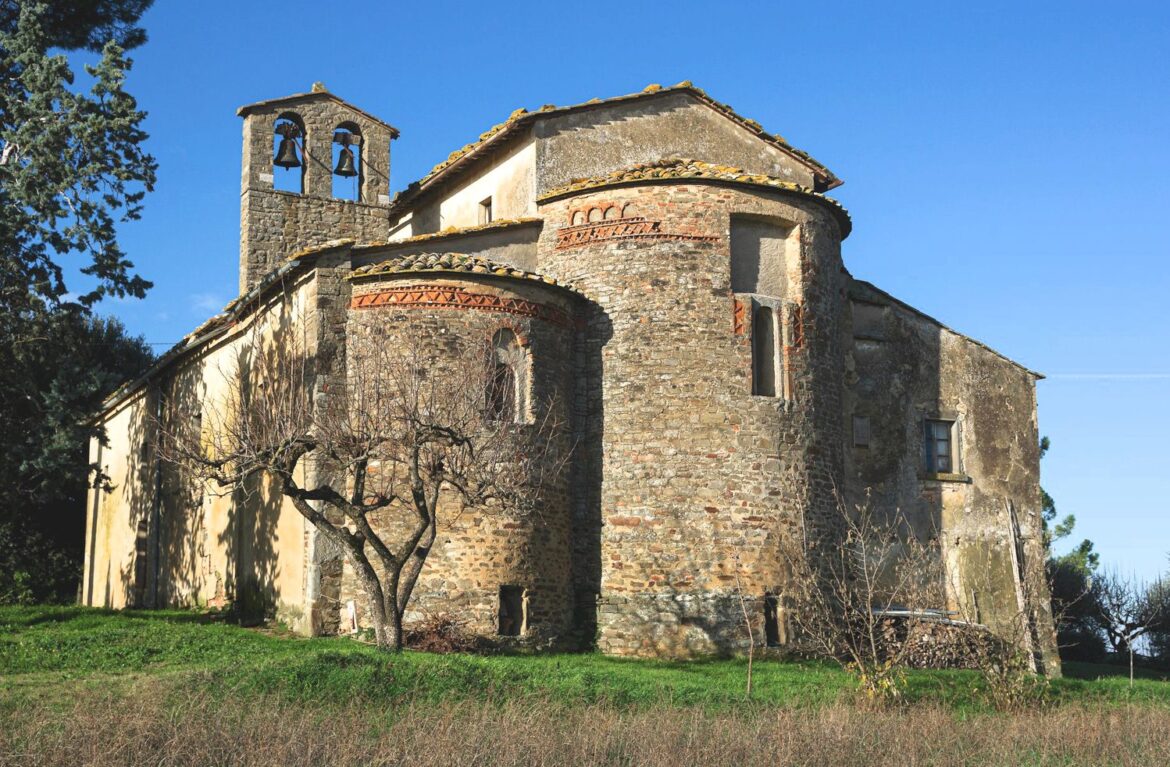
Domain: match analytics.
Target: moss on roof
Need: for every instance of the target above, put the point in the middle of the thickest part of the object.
(454, 231)
(325, 247)
(684, 168)
(523, 116)
(451, 263)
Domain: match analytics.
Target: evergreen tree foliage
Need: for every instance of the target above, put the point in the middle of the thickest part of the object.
(85, 24)
(1078, 628)
(49, 387)
(72, 167)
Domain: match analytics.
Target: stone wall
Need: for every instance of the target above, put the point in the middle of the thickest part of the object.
(478, 550)
(508, 180)
(156, 536)
(688, 476)
(276, 224)
(593, 142)
(904, 368)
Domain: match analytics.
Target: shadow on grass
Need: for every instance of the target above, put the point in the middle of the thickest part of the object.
(1092, 671)
(46, 614)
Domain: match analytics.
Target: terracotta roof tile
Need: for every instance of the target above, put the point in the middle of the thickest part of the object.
(453, 231)
(452, 263)
(683, 168)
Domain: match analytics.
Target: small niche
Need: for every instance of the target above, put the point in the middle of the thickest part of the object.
(485, 211)
(771, 620)
(513, 614)
(861, 431)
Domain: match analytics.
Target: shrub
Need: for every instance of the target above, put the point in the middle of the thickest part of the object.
(443, 633)
(33, 570)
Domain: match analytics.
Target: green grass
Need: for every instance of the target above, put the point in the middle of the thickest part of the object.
(50, 650)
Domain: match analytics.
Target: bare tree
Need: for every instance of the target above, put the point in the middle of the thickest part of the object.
(861, 593)
(1129, 609)
(374, 462)
(747, 622)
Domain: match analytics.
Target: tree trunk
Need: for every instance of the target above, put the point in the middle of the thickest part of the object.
(384, 619)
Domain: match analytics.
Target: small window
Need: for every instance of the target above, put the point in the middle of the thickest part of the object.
(764, 356)
(939, 447)
(860, 431)
(502, 393)
(513, 611)
(485, 211)
(507, 385)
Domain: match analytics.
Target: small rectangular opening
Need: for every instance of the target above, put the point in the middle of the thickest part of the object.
(860, 431)
(351, 611)
(485, 211)
(771, 620)
(512, 616)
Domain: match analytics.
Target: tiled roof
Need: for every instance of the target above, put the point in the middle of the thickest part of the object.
(522, 117)
(681, 169)
(454, 231)
(454, 263)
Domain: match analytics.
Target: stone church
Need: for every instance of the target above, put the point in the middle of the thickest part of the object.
(673, 272)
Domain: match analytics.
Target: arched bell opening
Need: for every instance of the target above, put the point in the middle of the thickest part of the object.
(347, 162)
(288, 153)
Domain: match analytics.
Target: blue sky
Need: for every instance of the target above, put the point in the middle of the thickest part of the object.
(1006, 166)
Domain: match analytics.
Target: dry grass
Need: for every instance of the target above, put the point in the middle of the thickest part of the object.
(160, 729)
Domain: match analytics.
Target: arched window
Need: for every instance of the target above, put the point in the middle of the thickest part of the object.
(764, 357)
(288, 154)
(507, 390)
(347, 162)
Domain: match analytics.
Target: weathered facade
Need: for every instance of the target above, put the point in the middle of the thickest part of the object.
(675, 276)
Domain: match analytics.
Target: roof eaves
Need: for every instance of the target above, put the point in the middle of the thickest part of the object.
(498, 225)
(686, 170)
(497, 134)
(454, 264)
(208, 330)
(248, 109)
(883, 294)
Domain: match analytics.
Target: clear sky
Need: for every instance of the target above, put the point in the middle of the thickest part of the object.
(1006, 166)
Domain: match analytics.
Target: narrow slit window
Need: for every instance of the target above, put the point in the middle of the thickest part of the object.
(764, 357)
(507, 385)
(513, 619)
(485, 211)
(502, 393)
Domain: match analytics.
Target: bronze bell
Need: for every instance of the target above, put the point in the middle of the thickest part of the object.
(345, 166)
(286, 153)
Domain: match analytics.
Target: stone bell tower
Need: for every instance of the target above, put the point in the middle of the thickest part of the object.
(307, 140)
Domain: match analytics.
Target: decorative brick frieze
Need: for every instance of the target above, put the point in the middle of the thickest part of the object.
(630, 228)
(448, 297)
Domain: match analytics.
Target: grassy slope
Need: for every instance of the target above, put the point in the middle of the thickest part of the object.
(50, 651)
